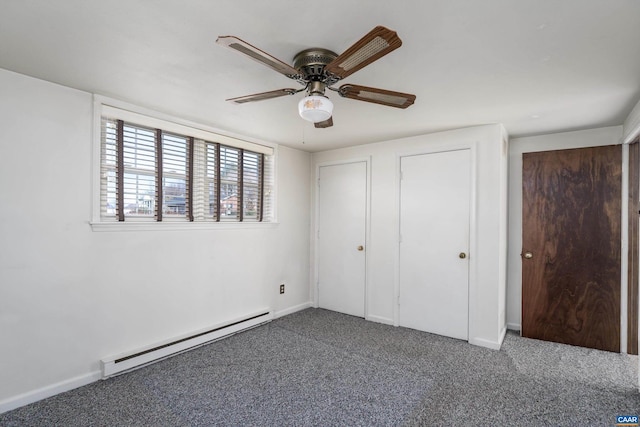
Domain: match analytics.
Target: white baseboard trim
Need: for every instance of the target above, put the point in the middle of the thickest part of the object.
(380, 319)
(514, 327)
(481, 342)
(292, 310)
(48, 391)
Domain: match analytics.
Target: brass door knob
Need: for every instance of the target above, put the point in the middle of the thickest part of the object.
(528, 255)
(361, 248)
(462, 255)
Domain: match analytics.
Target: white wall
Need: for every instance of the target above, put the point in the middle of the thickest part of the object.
(631, 126)
(70, 296)
(487, 260)
(559, 141)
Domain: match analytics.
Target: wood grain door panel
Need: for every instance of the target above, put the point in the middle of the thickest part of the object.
(571, 227)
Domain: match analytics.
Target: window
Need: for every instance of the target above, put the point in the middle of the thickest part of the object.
(149, 174)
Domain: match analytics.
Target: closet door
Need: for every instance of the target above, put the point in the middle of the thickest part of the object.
(341, 237)
(435, 193)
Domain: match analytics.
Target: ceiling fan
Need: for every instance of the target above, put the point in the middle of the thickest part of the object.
(318, 69)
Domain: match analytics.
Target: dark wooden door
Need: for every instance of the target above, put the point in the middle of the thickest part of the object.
(571, 246)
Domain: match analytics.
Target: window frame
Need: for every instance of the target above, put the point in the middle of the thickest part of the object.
(135, 115)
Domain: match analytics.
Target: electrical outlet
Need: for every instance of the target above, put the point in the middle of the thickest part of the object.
(282, 288)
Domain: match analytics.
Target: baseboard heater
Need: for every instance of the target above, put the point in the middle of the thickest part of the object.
(135, 359)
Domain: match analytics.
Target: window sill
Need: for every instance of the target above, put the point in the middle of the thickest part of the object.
(178, 226)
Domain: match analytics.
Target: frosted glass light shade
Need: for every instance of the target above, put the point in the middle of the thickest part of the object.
(315, 108)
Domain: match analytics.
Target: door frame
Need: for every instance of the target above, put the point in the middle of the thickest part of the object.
(633, 259)
(566, 141)
(473, 286)
(315, 283)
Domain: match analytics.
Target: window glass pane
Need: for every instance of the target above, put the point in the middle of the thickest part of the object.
(229, 182)
(174, 175)
(250, 202)
(139, 194)
(139, 171)
(174, 195)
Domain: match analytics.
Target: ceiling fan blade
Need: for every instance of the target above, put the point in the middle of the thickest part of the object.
(256, 54)
(325, 124)
(263, 95)
(373, 46)
(377, 96)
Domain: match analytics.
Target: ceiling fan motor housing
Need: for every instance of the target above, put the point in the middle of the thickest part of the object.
(311, 62)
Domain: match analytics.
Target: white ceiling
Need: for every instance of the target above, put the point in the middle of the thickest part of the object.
(537, 66)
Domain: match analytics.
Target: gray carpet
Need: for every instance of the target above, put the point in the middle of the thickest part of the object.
(318, 367)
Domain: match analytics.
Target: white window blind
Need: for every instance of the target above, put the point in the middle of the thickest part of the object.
(229, 183)
(211, 180)
(251, 186)
(108, 162)
(153, 175)
(201, 187)
(267, 189)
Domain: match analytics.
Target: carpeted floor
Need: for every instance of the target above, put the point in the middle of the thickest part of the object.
(317, 367)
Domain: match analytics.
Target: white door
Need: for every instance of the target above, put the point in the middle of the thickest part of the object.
(341, 237)
(434, 242)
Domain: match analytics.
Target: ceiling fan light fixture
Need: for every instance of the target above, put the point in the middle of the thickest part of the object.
(315, 108)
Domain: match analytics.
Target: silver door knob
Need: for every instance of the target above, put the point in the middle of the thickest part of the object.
(528, 255)
(462, 255)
